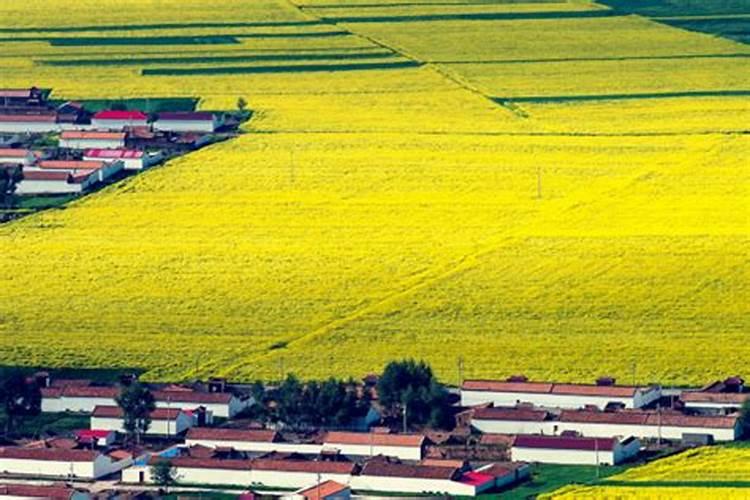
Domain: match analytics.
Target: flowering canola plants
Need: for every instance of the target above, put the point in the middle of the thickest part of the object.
(397, 200)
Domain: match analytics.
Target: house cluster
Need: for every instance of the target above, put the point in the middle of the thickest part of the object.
(598, 424)
(91, 148)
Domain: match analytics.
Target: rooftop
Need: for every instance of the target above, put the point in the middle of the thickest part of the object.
(247, 435)
(14, 153)
(114, 154)
(48, 454)
(323, 490)
(564, 443)
(93, 135)
(55, 492)
(120, 115)
(384, 468)
(116, 412)
(186, 116)
(513, 414)
(648, 418)
(190, 396)
(551, 388)
(70, 164)
(36, 118)
(374, 438)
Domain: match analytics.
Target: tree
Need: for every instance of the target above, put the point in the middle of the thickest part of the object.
(19, 396)
(9, 179)
(410, 388)
(241, 104)
(163, 474)
(137, 403)
(745, 419)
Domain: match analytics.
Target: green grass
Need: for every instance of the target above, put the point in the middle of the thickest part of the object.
(301, 68)
(145, 104)
(473, 16)
(145, 40)
(100, 375)
(34, 427)
(43, 202)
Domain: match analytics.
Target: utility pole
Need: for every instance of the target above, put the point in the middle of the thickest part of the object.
(658, 413)
(460, 371)
(596, 451)
(404, 413)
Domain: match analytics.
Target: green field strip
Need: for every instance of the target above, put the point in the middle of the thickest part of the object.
(301, 68)
(475, 16)
(145, 104)
(676, 484)
(662, 8)
(137, 61)
(616, 97)
(401, 5)
(594, 59)
(165, 26)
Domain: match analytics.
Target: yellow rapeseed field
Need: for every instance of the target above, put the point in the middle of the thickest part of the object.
(429, 204)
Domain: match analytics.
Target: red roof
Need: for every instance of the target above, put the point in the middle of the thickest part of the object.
(75, 391)
(322, 490)
(95, 135)
(15, 93)
(731, 398)
(48, 454)
(70, 164)
(113, 154)
(92, 433)
(512, 414)
(384, 468)
(14, 153)
(564, 443)
(29, 118)
(35, 491)
(551, 388)
(181, 396)
(476, 478)
(247, 435)
(116, 412)
(120, 115)
(47, 176)
(204, 463)
(314, 467)
(367, 438)
(648, 418)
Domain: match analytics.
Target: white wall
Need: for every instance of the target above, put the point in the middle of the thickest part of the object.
(511, 427)
(157, 427)
(103, 465)
(46, 468)
(49, 187)
(257, 446)
(92, 143)
(402, 452)
(644, 431)
(219, 409)
(472, 398)
(84, 404)
(288, 479)
(29, 127)
(117, 124)
(410, 485)
(185, 126)
(543, 455)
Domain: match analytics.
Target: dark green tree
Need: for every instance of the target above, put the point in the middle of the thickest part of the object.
(137, 403)
(9, 179)
(745, 419)
(163, 474)
(19, 396)
(241, 104)
(409, 387)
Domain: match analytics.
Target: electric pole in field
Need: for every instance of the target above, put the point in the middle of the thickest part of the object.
(404, 413)
(460, 371)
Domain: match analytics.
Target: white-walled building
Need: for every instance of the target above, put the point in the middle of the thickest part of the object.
(552, 395)
(511, 420)
(56, 182)
(59, 463)
(17, 156)
(714, 402)
(82, 139)
(77, 398)
(29, 124)
(187, 122)
(164, 421)
(403, 446)
(574, 450)
(103, 170)
(97, 437)
(23, 491)
(384, 475)
(131, 160)
(221, 404)
(327, 490)
(119, 120)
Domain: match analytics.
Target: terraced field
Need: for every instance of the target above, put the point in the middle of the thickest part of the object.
(554, 188)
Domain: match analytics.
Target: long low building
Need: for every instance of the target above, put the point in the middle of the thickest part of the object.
(103, 170)
(93, 139)
(402, 446)
(22, 491)
(131, 159)
(573, 450)
(77, 398)
(553, 395)
(56, 182)
(60, 463)
(641, 424)
(164, 421)
(220, 404)
(714, 402)
(198, 121)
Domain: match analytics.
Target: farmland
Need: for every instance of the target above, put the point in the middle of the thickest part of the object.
(550, 188)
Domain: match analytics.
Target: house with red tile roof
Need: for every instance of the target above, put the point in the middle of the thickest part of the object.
(130, 159)
(517, 390)
(119, 120)
(43, 462)
(77, 397)
(719, 397)
(39, 181)
(327, 490)
(29, 491)
(17, 156)
(95, 437)
(220, 404)
(29, 123)
(104, 171)
(574, 450)
(168, 422)
(92, 139)
(403, 446)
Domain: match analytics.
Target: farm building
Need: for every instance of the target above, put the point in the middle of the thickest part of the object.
(574, 450)
(119, 120)
(77, 398)
(221, 404)
(253, 440)
(720, 397)
(327, 490)
(517, 390)
(41, 123)
(131, 160)
(22, 98)
(29, 491)
(56, 182)
(506, 473)
(403, 446)
(81, 139)
(164, 421)
(510, 420)
(60, 462)
(187, 122)
(103, 170)
(17, 156)
(96, 437)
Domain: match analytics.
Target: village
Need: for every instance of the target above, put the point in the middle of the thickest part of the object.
(212, 436)
(57, 151)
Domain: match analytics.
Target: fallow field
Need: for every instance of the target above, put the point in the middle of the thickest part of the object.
(553, 188)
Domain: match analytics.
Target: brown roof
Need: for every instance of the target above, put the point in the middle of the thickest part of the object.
(510, 414)
(495, 439)
(48, 454)
(323, 490)
(502, 469)
(205, 463)
(374, 438)
(90, 392)
(564, 443)
(390, 469)
(50, 392)
(315, 467)
(715, 397)
(46, 176)
(34, 491)
(14, 153)
(15, 93)
(648, 418)
(550, 388)
(248, 435)
(441, 462)
(116, 412)
(182, 396)
(29, 118)
(82, 134)
(70, 164)
(65, 382)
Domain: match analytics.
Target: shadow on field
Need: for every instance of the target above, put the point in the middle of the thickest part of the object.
(301, 68)
(475, 16)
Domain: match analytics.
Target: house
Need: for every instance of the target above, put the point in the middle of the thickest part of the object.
(23, 491)
(252, 440)
(82, 139)
(22, 98)
(77, 398)
(56, 182)
(553, 395)
(119, 120)
(17, 156)
(164, 421)
(131, 159)
(719, 397)
(300, 473)
(37, 123)
(103, 170)
(187, 122)
(381, 474)
(403, 446)
(327, 490)
(507, 473)
(511, 420)
(96, 437)
(574, 450)
(60, 462)
(222, 404)
(71, 112)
